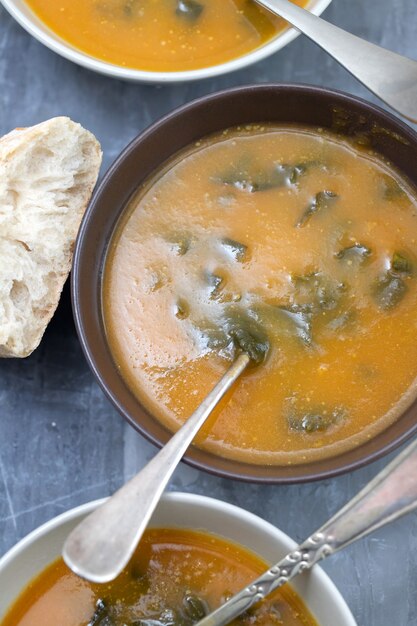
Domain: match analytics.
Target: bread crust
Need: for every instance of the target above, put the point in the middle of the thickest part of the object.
(47, 175)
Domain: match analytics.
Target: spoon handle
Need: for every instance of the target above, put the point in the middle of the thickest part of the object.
(390, 76)
(391, 494)
(101, 545)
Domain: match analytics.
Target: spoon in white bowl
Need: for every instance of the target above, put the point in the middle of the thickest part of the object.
(102, 544)
(391, 494)
(390, 76)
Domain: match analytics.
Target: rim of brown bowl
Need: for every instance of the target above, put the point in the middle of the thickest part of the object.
(282, 103)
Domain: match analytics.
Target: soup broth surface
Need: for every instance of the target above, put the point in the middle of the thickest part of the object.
(161, 35)
(175, 578)
(296, 237)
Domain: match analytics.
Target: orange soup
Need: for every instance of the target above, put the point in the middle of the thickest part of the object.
(175, 579)
(161, 35)
(296, 240)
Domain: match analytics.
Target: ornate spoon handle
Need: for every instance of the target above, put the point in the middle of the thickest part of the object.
(390, 76)
(391, 494)
(102, 544)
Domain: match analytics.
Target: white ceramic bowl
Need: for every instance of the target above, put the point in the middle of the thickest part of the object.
(30, 22)
(43, 545)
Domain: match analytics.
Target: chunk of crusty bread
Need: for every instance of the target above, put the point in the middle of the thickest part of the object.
(47, 175)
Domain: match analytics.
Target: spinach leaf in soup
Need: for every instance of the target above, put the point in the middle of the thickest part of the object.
(315, 295)
(247, 334)
(194, 607)
(246, 176)
(401, 264)
(180, 242)
(101, 616)
(322, 201)
(182, 309)
(189, 9)
(391, 190)
(301, 320)
(317, 292)
(314, 421)
(389, 290)
(391, 286)
(355, 254)
(238, 330)
(191, 611)
(291, 321)
(217, 287)
(236, 249)
(215, 282)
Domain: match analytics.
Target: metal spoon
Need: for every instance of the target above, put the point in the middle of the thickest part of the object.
(390, 76)
(391, 494)
(100, 547)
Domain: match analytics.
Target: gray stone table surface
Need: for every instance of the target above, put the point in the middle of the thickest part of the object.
(61, 443)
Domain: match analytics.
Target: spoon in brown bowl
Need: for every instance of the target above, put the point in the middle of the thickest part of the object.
(391, 494)
(390, 76)
(102, 544)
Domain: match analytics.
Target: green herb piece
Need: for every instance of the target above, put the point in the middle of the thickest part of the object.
(317, 291)
(401, 264)
(323, 200)
(182, 309)
(247, 335)
(391, 287)
(181, 243)
(296, 173)
(101, 615)
(354, 255)
(190, 9)
(282, 176)
(314, 421)
(238, 330)
(246, 178)
(235, 248)
(216, 336)
(389, 290)
(157, 278)
(292, 321)
(391, 190)
(300, 319)
(194, 607)
(215, 282)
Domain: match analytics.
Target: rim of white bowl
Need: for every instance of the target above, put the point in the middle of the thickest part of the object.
(184, 499)
(23, 14)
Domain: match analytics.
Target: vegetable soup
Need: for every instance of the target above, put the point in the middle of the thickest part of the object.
(161, 35)
(293, 244)
(175, 578)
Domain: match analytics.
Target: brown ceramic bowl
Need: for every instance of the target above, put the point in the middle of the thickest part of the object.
(267, 103)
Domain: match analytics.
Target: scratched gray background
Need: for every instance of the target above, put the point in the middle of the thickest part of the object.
(61, 443)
